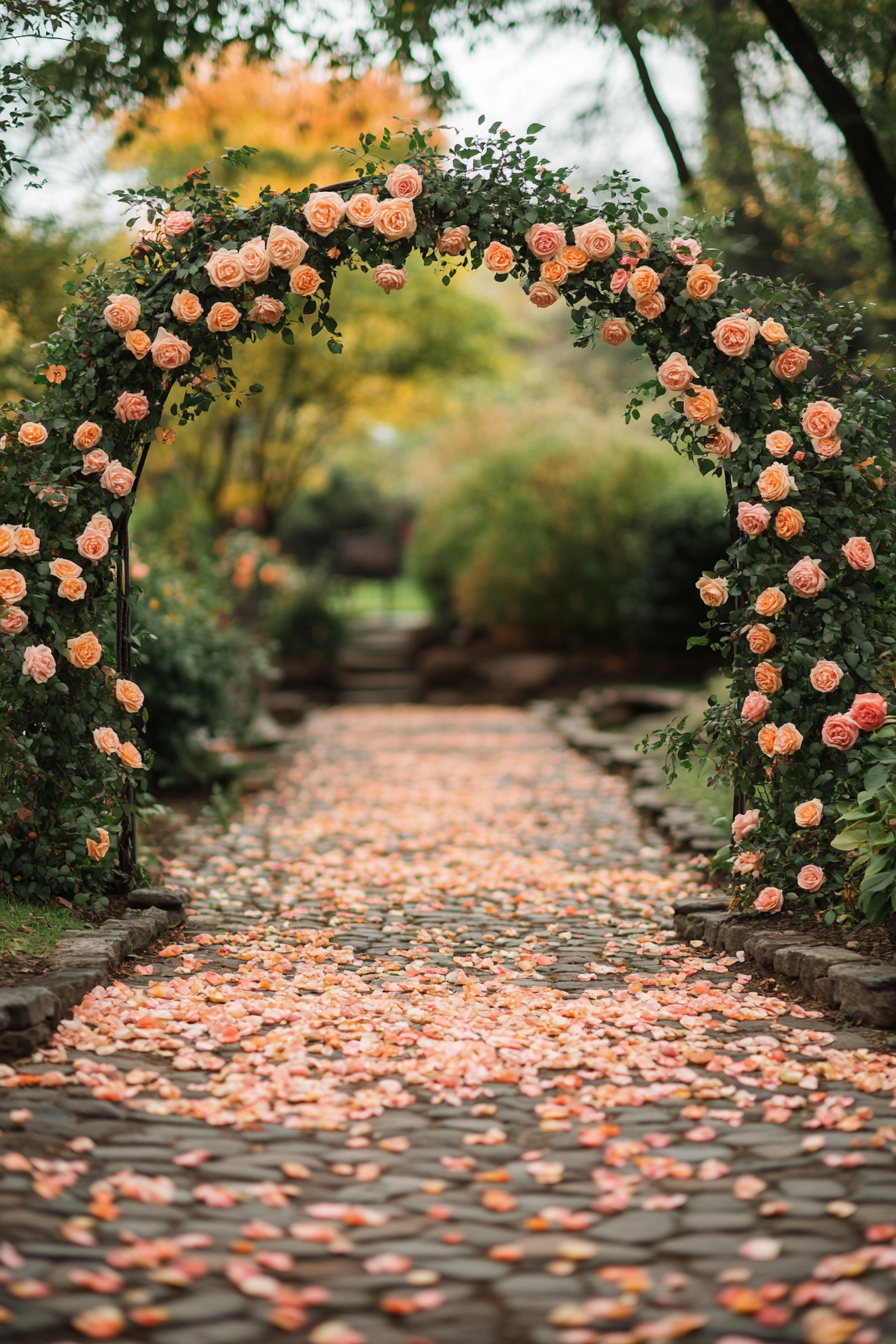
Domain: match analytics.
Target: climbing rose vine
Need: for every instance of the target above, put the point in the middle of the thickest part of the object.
(761, 381)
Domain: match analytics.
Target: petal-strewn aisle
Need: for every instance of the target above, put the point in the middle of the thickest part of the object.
(428, 1064)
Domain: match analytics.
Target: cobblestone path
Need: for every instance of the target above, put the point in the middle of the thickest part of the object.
(428, 1064)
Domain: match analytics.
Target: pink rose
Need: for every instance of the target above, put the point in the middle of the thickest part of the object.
(839, 731)
(178, 222)
(131, 406)
(169, 351)
(39, 663)
(13, 621)
(820, 420)
(790, 363)
(721, 442)
(826, 676)
(745, 823)
(769, 901)
(778, 443)
(595, 239)
(266, 311)
(734, 336)
(360, 209)
(543, 240)
(27, 541)
(404, 181)
(748, 862)
(87, 436)
(827, 448)
(185, 307)
(222, 317)
(390, 277)
(712, 590)
(95, 463)
(12, 586)
(808, 814)
(255, 260)
(618, 281)
(775, 482)
(285, 248)
(858, 553)
(117, 479)
(100, 523)
(788, 740)
(810, 877)
(806, 578)
(685, 250)
(755, 707)
(651, 306)
(122, 312)
(675, 374)
(634, 240)
(752, 518)
(542, 295)
(869, 711)
(92, 544)
(616, 330)
(395, 219)
(454, 241)
(224, 269)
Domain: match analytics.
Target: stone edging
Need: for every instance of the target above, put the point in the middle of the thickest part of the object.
(30, 1012)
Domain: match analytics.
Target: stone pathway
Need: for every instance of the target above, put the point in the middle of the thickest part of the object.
(428, 1064)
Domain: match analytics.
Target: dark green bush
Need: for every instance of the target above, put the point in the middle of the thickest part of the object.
(305, 623)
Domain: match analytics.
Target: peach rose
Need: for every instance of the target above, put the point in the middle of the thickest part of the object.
(775, 482)
(761, 639)
(87, 436)
(107, 740)
(98, 849)
(65, 569)
(131, 406)
(100, 523)
(95, 463)
(806, 578)
(790, 363)
(32, 434)
(360, 209)
(766, 739)
(13, 621)
(734, 336)
(73, 590)
(27, 542)
(721, 442)
(808, 814)
(7, 538)
(767, 678)
(542, 295)
(39, 663)
(702, 406)
(826, 676)
(712, 590)
(839, 731)
(595, 239)
(224, 269)
(130, 756)
(770, 602)
(404, 181)
(778, 443)
(395, 219)
(820, 420)
(122, 312)
(117, 479)
(266, 311)
(186, 307)
(255, 260)
(129, 694)
(12, 586)
(499, 258)
(745, 823)
(222, 317)
(685, 250)
(616, 330)
(789, 523)
(702, 282)
(859, 554)
(453, 242)
(169, 351)
(810, 877)
(389, 277)
(543, 240)
(788, 740)
(752, 518)
(177, 223)
(92, 544)
(635, 241)
(869, 711)
(749, 862)
(769, 901)
(575, 259)
(285, 248)
(826, 448)
(553, 273)
(642, 281)
(877, 480)
(84, 650)
(137, 343)
(772, 332)
(754, 708)
(323, 212)
(56, 373)
(305, 280)
(651, 307)
(675, 373)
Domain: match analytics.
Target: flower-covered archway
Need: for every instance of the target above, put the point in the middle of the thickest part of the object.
(762, 381)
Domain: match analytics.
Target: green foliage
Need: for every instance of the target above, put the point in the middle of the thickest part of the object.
(868, 835)
(346, 502)
(305, 621)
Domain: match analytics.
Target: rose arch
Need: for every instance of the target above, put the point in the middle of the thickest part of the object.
(761, 381)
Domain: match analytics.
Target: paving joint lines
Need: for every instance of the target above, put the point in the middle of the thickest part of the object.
(427, 1062)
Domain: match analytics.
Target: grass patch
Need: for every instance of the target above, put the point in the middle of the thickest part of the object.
(32, 931)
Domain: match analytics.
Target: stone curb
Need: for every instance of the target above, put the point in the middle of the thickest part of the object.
(30, 1012)
(862, 987)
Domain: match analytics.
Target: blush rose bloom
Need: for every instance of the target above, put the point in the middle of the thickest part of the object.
(734, 336)
(752, 518)
(92, 544)
(454, 242)
(755, 707)
(390, 277)
(39, 663)
(360, 208)
(779, 442)
(255, 260)
(499, 258)
(839, 731)
(770, 601)
(224, 269)
(404, 181)
(807, 578)
(827, 448)
(137, 343)
(305, 280)
(32, 434)
(712, 590)
(769, 901)
(84, 650)
(178, 222)
(826, 676)
(87, 436)
(869, 711)
(27, 542)
(721, 442)
(642, 281)
(702, 282)
(186, 307)
(766, 739)
(73, 590)
(675, 373)
(12, 586)
(98, 849)
(761, 639)
(7, 538)
(285, 248)
(775, 482)
(129, 695)
(745, 823)
(790, 363)
(619, 280)
(14, 621)
(635, 241)
(616, 331)
(542, 295)
(702, 406)
(859, 554)
(772, 332)
(808, 814)
(767, 678)
(131, 406)
(573, 258)
(820, 420)
(810, 877)
(651, 306)
(788, 740)
(169, 351)
(749, 862)
(395, 219)
(789, 523)
(323, 212)
(266, 311)
(117, 479)
(107, 741)
(65, 569)
(222, 317)
(100, 523)
(122, 312)
(553, 273)
(595, 239)
(130, 756)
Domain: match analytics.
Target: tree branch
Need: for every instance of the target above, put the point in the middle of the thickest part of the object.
(632, 40)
